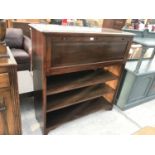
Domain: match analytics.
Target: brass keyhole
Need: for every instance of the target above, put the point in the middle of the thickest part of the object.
(2, 109)
(91, 38)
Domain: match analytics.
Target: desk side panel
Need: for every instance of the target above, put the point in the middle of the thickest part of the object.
(39, 80)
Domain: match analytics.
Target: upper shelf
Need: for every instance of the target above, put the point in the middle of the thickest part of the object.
(59, 83)
(49, 28)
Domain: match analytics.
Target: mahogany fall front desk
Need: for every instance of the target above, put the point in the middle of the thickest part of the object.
(76, 70)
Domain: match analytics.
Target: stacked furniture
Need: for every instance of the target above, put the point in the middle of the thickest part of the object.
(114, 23)
(76, 71)
(139, 78)
(10, 119)
(22, 25)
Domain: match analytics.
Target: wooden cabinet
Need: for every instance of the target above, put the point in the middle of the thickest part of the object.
(4, 80)
(10, 119)
(76, 71)
(114, 23)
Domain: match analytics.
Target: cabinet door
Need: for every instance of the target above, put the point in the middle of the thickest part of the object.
(152, 89)
(68, 51)
(7, 123)
(141, 87)
(3, 121)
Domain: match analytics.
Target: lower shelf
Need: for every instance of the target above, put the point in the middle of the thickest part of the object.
(58, 117)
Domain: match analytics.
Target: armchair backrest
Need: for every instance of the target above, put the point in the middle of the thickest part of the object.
(14, 38)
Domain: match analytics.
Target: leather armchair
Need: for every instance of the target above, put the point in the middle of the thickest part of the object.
(20, 46)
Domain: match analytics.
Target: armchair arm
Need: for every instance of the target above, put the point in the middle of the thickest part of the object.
(27, 44)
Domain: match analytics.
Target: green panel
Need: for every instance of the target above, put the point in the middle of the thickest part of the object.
(136, 89)
(152, 89)
(141, 87)
(126, 89)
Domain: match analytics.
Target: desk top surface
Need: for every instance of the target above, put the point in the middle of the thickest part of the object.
(48, 28)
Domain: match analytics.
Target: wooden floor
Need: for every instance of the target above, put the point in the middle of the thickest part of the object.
(148, 130)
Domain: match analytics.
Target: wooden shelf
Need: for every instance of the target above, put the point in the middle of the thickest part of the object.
(58, 101)
(58, 117)
(61, 83)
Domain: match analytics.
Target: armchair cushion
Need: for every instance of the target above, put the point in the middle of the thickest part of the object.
(14, 38)
(21, 56)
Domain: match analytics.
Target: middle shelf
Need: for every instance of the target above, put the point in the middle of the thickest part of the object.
(58, 101)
